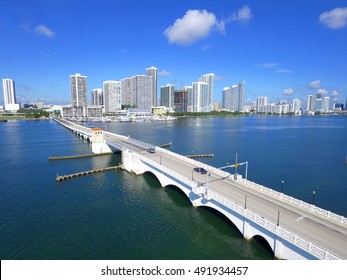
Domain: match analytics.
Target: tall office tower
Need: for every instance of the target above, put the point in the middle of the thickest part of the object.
(167, 96)
(201, 97)
(310, 103)
(137, 91)
(153, 72)
(9, 95)
(97, 97)
(296, 107)
(261, 104)
(181, 100)
(112, 96)
(326, 104)
(78, 90)
(189, 90)
(209, 80)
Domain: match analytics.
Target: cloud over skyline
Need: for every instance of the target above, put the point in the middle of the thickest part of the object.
(193, 26)
(243, 15)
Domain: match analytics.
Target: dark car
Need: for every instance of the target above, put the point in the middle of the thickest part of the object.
(150, 150)
(200, 170)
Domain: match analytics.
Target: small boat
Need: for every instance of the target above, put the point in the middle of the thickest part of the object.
(3, 120)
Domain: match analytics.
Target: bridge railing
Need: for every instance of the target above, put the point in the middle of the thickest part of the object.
(293, 201)
(270, 192)
(304, 244)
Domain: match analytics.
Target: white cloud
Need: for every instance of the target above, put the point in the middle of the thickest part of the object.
(315, 84)
(193, 26)
(334, 19)
(267, 65)
(288, 91)
(335, 93)
(243, 15)
(44, 30)
(287, 71)
(164, 73)
(322, 91)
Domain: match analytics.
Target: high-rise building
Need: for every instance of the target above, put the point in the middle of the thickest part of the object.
(153, 72)
(209, 80)
(9, 95)
(181, 100)
(261, 104)
(97, 97)
(310, 103)
(78, 90)
(233, 98)
(296, 107)
(318, 102)
(112, 96)
(167, 96)
(137, 91)
(326, 104)
(201, 97)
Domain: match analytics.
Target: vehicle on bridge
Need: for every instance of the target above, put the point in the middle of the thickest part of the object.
(151, 150)
(200, 170)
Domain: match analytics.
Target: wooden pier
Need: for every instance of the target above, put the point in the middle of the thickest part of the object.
(89, 172)
(200, 156)
(78, 156)
(165, 145)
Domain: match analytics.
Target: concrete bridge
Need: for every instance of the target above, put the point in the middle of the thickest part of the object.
(293, 228)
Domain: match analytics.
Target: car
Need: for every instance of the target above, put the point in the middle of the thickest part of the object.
(151, 150)
(200, 170)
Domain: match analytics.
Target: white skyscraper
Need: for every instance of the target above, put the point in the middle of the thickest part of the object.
(233, 98)
(153, 72)
(9, 95)
(261, 104)
(78, 90)
(137, 91)
(112, 96)
(310, 103)
(209, 80)
(296, 107)
(97, 97)
(326, 104)
(201, 97)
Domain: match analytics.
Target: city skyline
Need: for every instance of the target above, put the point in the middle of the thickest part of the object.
(289, 51)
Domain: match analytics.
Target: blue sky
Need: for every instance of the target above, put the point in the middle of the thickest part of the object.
(282, 49)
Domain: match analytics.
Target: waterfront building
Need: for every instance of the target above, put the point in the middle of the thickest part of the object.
(200, 97)
(167, 96)
(318, 102)
(181, 100)
(233, 98)
(10, 103)
(153, 72)
(338, 107)
(112, 96)
(78, 90)
(137, 91)
(97, 97)
(189, 90)
(296, 107)
(209, 80)
(261, 104)
(310, 103)
(326, 104)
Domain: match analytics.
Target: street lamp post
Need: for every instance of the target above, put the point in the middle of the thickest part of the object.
(313, 195)
(282, 186)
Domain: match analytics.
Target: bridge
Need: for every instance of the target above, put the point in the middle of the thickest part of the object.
(294, 229)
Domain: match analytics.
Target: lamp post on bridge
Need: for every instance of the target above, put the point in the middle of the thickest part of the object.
(313, 196)
(282, 186)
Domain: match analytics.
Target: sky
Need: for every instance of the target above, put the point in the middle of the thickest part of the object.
(281, 49)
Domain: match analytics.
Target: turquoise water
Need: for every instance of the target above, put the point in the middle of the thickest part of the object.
(117, 215)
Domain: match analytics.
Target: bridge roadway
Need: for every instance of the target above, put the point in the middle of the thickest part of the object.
(324, 232)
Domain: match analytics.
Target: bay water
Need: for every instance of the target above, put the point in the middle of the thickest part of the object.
(118, 215)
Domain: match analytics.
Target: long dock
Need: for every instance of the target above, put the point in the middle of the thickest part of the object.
(89, 172)
(200, 156)
(78, 156)
(165, 145)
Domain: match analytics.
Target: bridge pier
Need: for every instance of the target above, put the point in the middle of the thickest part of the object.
(99, 145)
